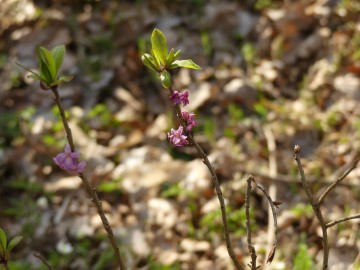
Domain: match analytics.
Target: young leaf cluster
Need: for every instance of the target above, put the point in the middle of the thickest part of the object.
(49, 65)
(161, 61)
(6, 247)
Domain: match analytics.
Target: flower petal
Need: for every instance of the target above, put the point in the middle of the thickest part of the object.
(67, 149)
(81, 166)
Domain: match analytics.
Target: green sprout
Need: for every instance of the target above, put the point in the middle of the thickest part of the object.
(162, 61)
(49, 65)
(6, 247)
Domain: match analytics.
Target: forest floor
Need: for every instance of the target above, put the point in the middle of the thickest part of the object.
(274, 74)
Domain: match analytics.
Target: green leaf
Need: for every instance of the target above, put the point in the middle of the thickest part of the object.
(165, 79)
(177, 54)
(158, 43)
(47, 65)
(170, 58)
(34, 75)
(58, 54)
(62, 80)
(3, 242)
(149, 61)
(185, 64)
(14, 242)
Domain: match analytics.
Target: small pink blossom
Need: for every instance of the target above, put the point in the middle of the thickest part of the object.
(189, 118)
(68, 161)
(177, 137)
(178, 97)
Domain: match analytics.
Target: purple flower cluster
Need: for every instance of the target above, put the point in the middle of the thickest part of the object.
(68, 161)
(189, 118)
(178, 137)
(178, 97)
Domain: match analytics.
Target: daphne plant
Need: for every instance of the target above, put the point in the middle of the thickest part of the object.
(163, 62)
(6, 247)
(50, 62)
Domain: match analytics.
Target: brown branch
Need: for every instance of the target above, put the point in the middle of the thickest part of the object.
(273, 210)
(251, 248)
(315, 207)
(288, 178)
(41, 258)
(338, 181)
(63, 118)
(332, 223)
(216, 185)
(90, 190)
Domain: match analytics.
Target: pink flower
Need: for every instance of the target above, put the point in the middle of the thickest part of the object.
(178, 97)
(189, 118)
(177, 137)
(68, 161)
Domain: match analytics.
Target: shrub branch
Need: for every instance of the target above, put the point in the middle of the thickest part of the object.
(251, 248)
(216, 185)
(90, 190)
(315, 207)
(332, 223)
(338, 181)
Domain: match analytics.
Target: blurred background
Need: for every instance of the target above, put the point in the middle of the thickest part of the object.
(274, 74)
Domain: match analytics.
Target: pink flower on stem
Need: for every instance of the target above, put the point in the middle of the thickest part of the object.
(189, 118)
(68, 161)
(178, 97)
(177, 137)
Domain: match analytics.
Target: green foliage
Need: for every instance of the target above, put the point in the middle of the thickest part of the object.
(212, 220)
(106, 257)
(110, 186)
(357, 265)
(161, 60)
(260, 110)
(209, 129)
(303, 260)
(21, 265)
(154, 265)
(262, 4)
(6, 247)
(175, 190)
(350, 5)
(9, 128)
(236, 113)
(302, 209)
(248, 51)
(49, 65)
(206, 43)
(102, 112)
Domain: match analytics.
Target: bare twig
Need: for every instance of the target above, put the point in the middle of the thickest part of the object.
(273, 210)
(315, 207)
(338, 181)
(251, 248)
(216, 185)
(90, 190)
(271, 144)
(332, 223)
(42, 258)
(288, 178)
